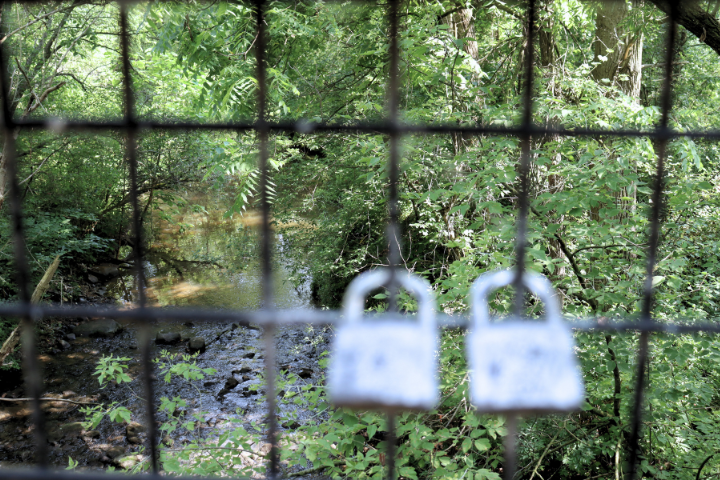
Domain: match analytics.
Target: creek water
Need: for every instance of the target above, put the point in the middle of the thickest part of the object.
(196, 257)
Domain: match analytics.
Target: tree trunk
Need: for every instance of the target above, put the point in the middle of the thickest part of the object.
(631, 66)
(607, 40)
(462, 26)
(547, 42)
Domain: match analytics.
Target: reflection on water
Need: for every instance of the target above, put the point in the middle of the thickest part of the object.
(199, 257)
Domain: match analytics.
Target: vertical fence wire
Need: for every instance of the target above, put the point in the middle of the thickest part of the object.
(393, 228)
(273, 461)
(31, 367)
(524, 163)
(523, 201)
(653, 242)
(393, 166)
(144, 334)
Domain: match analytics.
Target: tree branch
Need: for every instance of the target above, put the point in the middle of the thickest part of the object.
(41, 17)
(606, 246)
(43, 163)
(573, 263)
(695, 19)
(72, 75)
(39, 100)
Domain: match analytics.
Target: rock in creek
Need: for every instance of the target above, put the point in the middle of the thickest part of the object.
(57, 432)
(64, 345)
(196, 344)
(107, 270)
(92, 278)
(128, 462)
(305, 373)
(133, 429)
(167, 338)
(115, 452)
(231, 383)
(105, 327)
(70, 337)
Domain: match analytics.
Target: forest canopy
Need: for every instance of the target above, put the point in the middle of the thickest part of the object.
(597, 66)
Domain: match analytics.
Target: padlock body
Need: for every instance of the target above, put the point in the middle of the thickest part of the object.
(524, 366)
(384, 365)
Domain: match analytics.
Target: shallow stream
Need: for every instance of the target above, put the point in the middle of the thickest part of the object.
(197, 257)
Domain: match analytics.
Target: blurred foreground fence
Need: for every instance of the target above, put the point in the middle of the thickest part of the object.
(269, 318)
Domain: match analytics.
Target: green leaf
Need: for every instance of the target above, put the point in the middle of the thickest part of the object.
(482, 444)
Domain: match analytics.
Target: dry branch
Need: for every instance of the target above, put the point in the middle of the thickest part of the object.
(14, 337)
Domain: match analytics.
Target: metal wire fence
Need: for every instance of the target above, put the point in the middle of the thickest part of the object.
(269, 318)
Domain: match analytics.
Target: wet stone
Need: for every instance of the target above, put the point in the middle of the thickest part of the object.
(64, 345)
(105, 270)
(92, 278)
(133, 429)
(305, 373)
(231, 383)
(167, 338)
(115, 452)
(70, 337)
(196, 344)
(127, 462)
(57, 432)
(105, 327)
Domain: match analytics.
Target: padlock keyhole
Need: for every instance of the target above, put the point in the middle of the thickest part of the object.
(379, 361)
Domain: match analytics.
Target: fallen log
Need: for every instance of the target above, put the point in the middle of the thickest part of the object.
(47, 400)
(14, 337)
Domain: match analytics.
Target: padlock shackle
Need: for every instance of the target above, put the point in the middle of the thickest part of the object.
(354, 299)
(491, 281)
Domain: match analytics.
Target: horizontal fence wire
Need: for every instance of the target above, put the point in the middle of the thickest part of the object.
(305, 127)
(329, 317)
(267, 316)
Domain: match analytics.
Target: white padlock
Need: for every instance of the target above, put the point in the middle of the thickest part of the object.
(387, 362)
(520, 365)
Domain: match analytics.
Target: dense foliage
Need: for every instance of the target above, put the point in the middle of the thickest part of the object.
(461, 64)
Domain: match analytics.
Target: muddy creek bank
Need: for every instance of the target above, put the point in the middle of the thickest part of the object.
(196, 259)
